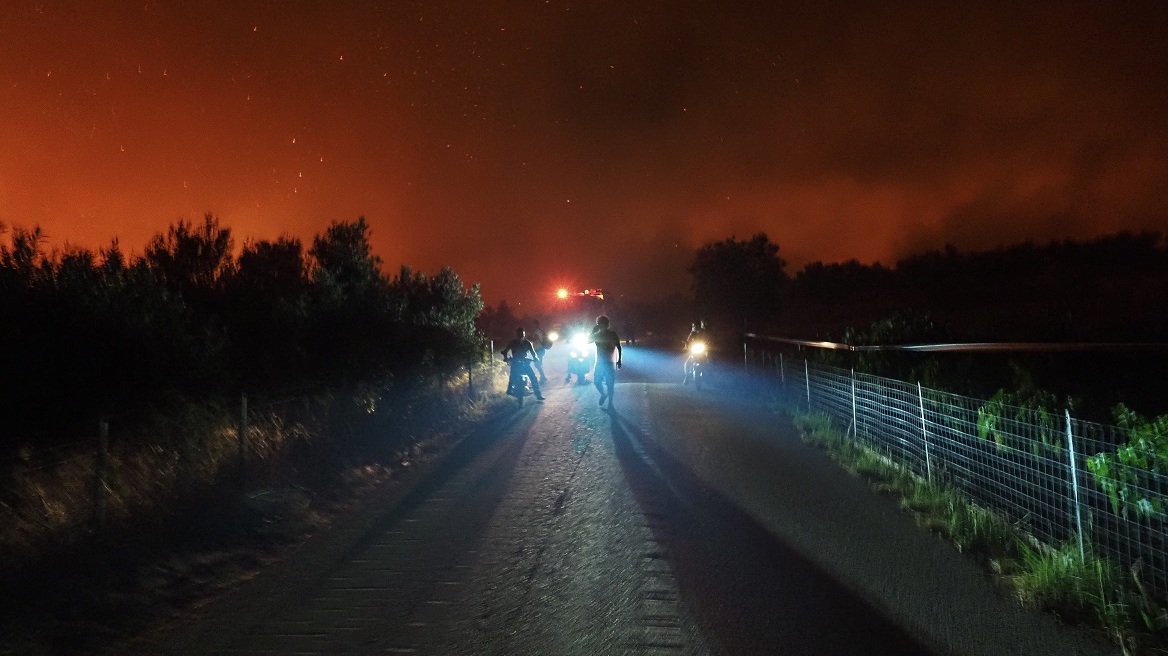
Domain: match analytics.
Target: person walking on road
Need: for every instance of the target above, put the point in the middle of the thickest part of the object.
(539, 340)
(608, 358)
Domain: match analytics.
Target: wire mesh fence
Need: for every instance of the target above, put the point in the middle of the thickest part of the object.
(1062, 479)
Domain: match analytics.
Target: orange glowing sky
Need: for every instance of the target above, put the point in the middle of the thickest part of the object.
(532, 142)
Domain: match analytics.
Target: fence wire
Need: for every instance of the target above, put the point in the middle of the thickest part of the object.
(1057, 477)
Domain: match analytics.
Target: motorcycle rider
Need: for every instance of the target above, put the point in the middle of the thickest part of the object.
(697, 332)
(520, 353)
(608, 344)
(575, 366)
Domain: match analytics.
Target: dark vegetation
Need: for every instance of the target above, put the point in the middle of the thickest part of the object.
(739, 285)
(1110, 289)
(105, 334)
(351, 375)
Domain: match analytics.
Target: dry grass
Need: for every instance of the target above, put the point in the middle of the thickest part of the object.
(178, 525)
(51, 506)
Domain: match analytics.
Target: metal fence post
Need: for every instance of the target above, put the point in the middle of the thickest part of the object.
(100, 466)
(1075, 482)
(491, 368)
(807, 377)
(855, 426)
(925, 435)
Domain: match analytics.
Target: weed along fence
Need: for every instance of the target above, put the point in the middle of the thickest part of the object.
(59, 495)
(1101, 488)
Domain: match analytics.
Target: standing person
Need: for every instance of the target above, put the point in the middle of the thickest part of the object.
(608, 355)
(539, 340)
(696, 331)
(520, 353)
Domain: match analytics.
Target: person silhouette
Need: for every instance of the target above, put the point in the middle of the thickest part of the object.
(608, 358)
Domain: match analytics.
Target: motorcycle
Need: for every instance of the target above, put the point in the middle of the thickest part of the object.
(580, 358)
(697, 363)
(519, 380)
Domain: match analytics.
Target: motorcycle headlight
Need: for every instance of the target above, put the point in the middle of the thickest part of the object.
(580, 341)
(553, 336)
(697, 348)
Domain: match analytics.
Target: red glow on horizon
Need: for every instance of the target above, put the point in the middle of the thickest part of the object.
(119, 120)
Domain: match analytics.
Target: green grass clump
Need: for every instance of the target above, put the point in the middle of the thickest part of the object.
(817, 430)
(1077, 587)
(1088, 588)
(981, 531)
(866, 462)
(926, 499)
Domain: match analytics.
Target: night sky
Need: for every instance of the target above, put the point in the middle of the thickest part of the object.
(530, 144)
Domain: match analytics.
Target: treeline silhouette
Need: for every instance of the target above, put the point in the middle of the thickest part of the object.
(1110, 289)
(89, 334)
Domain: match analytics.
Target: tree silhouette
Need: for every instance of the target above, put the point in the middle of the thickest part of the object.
(267, 313)
(738, 284)
(195, 261)
(344, 263)
(103, 334)
(437, 316)
(498, 323)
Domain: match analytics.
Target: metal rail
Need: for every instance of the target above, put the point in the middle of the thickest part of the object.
(973, 347)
